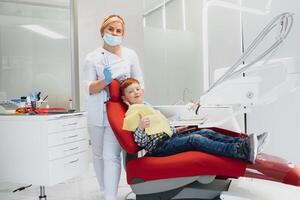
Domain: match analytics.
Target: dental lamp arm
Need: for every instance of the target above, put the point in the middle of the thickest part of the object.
(285, 20)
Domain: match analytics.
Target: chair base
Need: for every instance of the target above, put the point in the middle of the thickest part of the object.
(192, 191)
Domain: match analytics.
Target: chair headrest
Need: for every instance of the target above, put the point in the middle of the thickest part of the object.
(114, 91)
(116, 110)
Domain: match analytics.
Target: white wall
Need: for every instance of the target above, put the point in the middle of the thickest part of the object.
(90, 16)
(173, 51)
(224, 36)
(224, 39)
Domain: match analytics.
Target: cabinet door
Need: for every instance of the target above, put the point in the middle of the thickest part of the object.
(71, 123)
(62, 151)
(69, 167)
(67, 137)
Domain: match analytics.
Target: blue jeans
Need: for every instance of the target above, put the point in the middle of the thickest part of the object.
(203, 140)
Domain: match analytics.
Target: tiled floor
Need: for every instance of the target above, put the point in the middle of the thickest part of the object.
(86, 188)
(255, 189)
(81, 188)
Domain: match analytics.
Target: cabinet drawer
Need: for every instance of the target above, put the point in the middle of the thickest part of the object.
(66, 124)
(67, 137)
(69, 167)
(68, 149)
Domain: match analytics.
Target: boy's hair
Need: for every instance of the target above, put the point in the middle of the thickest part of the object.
(127, 82)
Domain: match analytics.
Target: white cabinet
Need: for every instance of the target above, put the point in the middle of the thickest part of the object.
(43, 149)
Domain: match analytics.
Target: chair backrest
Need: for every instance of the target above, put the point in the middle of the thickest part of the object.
(116, 110)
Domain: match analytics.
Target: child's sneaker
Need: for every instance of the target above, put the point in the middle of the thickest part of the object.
(253, 146)
(263, 139)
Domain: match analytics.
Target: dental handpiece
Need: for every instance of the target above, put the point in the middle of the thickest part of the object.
(105, 59)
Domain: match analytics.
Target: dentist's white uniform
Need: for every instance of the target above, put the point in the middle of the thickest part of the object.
(106, 149)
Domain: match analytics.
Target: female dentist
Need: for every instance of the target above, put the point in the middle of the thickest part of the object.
(111, 61)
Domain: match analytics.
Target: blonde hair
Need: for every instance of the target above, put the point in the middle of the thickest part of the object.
(110, 19)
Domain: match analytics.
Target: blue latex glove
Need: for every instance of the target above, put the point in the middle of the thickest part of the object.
(107, 75)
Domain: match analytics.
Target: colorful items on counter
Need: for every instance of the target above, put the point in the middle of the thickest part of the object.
(31, 105)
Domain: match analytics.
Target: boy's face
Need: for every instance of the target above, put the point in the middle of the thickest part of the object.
(133, 94)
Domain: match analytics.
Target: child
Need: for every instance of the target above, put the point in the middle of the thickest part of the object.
(140, 117)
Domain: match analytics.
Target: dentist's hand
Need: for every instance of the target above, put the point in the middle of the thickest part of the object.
(107, 75)
(144, 122)
(185, 129)
(181, 129)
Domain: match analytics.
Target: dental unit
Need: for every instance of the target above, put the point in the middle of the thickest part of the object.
(199, 175)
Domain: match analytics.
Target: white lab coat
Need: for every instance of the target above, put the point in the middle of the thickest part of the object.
(122, 67)
(106, 149)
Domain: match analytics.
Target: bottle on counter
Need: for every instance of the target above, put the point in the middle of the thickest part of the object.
(70, 104)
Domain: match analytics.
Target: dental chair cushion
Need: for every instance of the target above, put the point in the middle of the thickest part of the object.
(116, 114)
(191, 163)
(114, 91)
(186, 164)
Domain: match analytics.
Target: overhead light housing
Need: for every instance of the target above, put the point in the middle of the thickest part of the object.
(44, 31)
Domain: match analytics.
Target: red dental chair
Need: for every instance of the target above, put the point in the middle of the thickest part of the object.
(192, 174)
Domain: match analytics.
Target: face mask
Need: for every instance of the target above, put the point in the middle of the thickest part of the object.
(112, 40)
